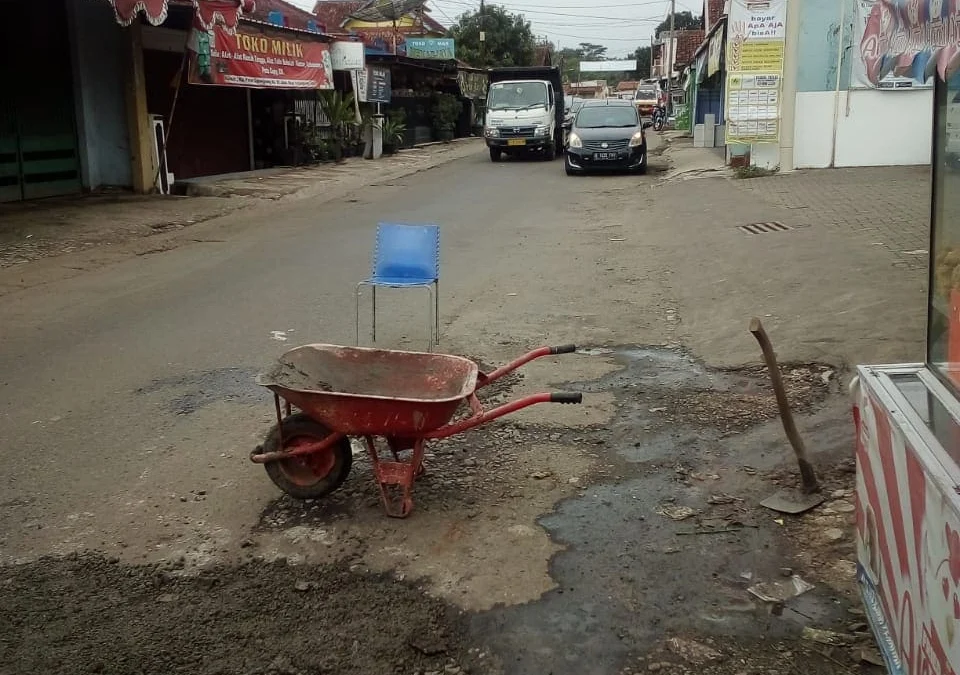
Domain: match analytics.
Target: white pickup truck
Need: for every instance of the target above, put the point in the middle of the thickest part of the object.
(524, 112)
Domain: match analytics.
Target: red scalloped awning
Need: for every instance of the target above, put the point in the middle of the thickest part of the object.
(209, 12)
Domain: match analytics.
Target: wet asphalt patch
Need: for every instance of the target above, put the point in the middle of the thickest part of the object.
(673, 543)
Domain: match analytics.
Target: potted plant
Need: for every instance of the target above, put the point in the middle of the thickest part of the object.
(446, 111)
(338, 108)
(393, 134)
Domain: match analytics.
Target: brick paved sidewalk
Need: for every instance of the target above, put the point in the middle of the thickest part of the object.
(881, 206)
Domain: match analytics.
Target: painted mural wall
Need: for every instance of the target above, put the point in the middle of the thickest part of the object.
(97, 51)
(861, 116)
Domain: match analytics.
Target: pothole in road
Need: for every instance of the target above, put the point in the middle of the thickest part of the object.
(188, 393)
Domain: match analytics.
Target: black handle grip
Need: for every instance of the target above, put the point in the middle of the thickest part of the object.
(564, 349)
(566, 397)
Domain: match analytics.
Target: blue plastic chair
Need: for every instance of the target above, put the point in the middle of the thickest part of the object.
(406, 256)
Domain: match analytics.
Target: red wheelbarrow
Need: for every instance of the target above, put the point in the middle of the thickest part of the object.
(406, 398)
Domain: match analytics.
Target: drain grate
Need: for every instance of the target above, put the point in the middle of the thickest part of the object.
(763, 228)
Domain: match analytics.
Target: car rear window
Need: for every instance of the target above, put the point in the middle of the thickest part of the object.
(646, 95)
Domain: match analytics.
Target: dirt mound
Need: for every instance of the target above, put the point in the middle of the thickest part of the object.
(87, 614)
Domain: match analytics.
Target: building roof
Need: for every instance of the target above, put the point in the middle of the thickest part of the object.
(293, 16)
(627, 85)
(687, 43)
(332, 14)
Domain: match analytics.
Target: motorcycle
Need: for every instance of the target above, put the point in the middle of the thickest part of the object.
(659, 118)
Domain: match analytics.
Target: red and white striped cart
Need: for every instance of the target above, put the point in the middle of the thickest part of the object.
(908, 416)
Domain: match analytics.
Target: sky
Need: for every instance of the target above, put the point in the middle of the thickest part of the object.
(619, 25)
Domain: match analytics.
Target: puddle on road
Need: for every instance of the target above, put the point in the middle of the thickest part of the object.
(630, 575)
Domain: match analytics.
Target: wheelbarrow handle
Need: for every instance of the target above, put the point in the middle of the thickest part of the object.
(486, 378)
(481, 417)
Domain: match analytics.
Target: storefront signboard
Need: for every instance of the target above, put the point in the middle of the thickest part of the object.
(443, 49)
(347, 55)
(249, 58)
(372, 84)
(756, 30)
(859, 79)
(378, 85)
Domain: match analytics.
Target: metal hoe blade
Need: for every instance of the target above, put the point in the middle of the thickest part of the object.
(792, 502)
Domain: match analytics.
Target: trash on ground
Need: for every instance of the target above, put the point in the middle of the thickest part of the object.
(825, 637)
(722, 498)
(871, 656)
(780, 591)
(541, 474)
(676, 512)
(692, 652)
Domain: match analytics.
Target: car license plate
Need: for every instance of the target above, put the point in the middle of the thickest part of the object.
(517, 141)
(604, 155)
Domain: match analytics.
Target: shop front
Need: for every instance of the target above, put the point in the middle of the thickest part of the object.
(908, 415)
(39, 154)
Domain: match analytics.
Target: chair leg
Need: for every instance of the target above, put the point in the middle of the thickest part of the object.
(429, 317)
(374, 320)
(436, 309)
(357, 297)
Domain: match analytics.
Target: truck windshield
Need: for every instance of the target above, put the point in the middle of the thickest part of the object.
(516, 95)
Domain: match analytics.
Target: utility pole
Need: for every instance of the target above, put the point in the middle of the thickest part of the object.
(673, 13)
(483, 39)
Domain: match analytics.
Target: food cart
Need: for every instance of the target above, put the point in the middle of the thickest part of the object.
(908, 416)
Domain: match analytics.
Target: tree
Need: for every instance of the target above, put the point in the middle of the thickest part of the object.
(681, 21)
(642, 55)
(509, 40)
(591, 52)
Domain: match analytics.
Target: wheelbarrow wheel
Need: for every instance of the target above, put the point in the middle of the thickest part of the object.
(308, 476)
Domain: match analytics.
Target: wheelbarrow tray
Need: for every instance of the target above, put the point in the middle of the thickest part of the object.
(359, 391)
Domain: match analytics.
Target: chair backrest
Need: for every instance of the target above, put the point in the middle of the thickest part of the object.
(407, 252)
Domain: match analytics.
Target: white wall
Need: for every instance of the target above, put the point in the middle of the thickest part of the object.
(875, 128)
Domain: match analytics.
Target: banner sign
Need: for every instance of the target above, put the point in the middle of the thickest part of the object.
(347, 55)
(251, 59)
(859, 79)
(608, 66)
(914, 40)
(756, 30)
(441, 49)
(472, 85)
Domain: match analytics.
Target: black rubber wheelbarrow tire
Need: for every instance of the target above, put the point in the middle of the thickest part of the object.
(310, 476)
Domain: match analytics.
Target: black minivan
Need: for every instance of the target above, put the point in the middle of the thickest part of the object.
(606, 135)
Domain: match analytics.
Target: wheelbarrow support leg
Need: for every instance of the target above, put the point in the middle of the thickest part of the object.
(396, 477)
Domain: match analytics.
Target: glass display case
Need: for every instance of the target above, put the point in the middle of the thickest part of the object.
(943, 325)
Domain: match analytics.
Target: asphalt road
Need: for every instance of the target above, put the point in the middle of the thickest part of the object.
(134, 381)
(128, 411)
